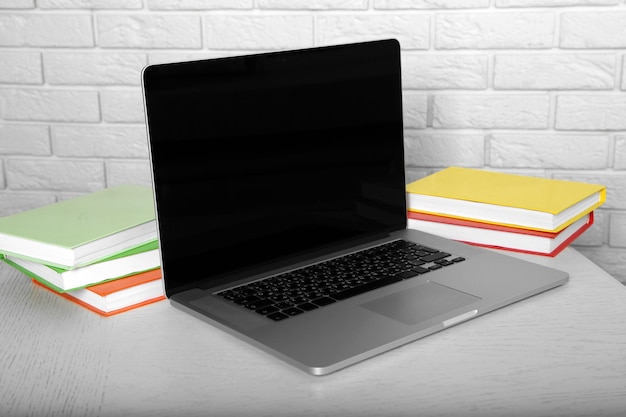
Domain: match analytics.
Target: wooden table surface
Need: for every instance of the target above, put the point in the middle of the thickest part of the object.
(560, 353)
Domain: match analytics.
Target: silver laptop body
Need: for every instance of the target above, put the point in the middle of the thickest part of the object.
(270, 170)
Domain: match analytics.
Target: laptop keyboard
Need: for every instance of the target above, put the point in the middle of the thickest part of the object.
(295, 292)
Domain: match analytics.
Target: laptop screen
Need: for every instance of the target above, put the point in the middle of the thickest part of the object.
(264, 159)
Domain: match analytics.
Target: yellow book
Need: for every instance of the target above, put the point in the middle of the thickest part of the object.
(506, 199)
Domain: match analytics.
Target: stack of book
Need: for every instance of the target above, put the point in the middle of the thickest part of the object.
(505, 211)
(99, 250)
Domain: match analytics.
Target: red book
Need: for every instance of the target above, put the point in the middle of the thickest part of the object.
(117, 296)
(499, 236)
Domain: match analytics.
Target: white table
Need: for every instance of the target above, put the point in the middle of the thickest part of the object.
(561, 353)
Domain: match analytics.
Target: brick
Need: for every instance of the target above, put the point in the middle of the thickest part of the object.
(16, 202)
(445, 71)
(617, 230)
(100, 141)
(20, 67)
(620, 153)
(18, 139)
(128, 172)
(412, 31)
(491, 111)
(259, 31)
(596, 234)
(430, 4)
(615, 183)
(17, 4)
(90, 4)
(415, 108)
(553, 72)
(50, 105)
(438, 150)
(591, 112)
(519, 30)
(554, 3)
(101, 68)
(55, 30)
(149, 31)
(314, 5)
(613, 261)
(549, 151)
(56, 175)
(199, 4)
(624, 73)
(122, 106)
(593, 30)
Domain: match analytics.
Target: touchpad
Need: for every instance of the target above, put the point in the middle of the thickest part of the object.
(420, 303)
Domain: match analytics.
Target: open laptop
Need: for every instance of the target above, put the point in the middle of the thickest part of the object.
(280, 197)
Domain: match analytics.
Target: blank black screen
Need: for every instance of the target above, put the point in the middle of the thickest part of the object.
(261, 159)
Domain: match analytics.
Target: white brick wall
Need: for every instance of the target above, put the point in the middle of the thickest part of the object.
(558, 71)
(438, 72)
(100, 68)
(47, 104)
(150, 30)
(491, 111)
(46, 30)
(491, 30)
(604, 29)
(530, 86)
(20, 67)
(552, 151)
(605, 112)
(267, 31)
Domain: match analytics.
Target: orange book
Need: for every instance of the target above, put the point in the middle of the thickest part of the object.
(500, 236)
(116, 296)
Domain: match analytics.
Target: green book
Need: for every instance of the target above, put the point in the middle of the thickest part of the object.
(133, 261)
(82, 230)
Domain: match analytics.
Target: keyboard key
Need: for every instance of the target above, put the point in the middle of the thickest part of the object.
(299, 300)
(245, 301)
(255, 305)
(278, 316)
(293, 311)
(407, 274)
(323, 301)
(230, 295)
(245, 291)
(342, 295)
(307, 306)
(313, 295)
(267, 310)
(427, 249)
(434, 256)
(284, 304)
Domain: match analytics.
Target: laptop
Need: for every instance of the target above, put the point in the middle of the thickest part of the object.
(279, 183)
